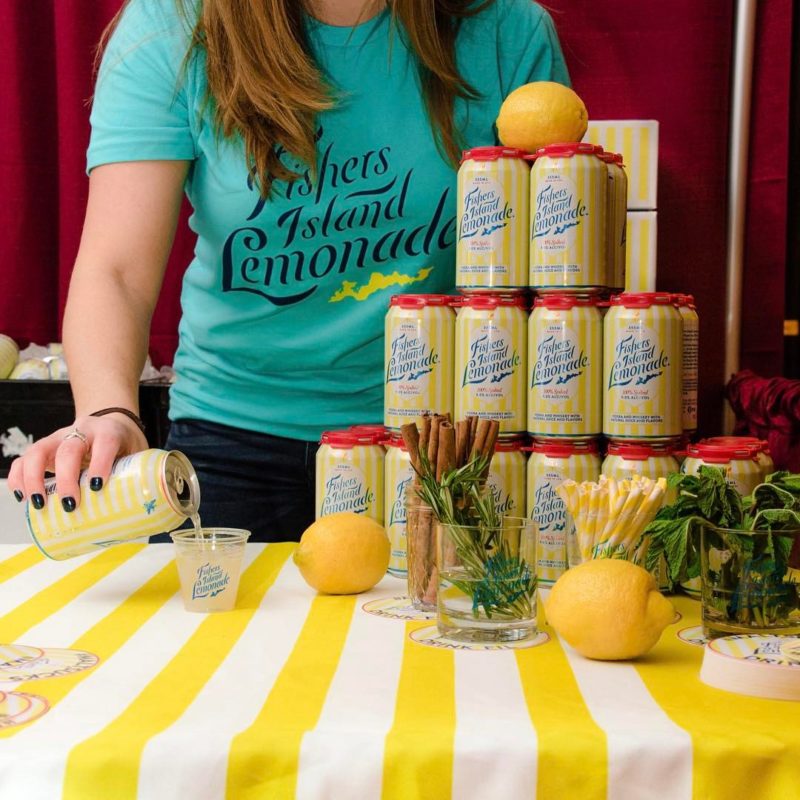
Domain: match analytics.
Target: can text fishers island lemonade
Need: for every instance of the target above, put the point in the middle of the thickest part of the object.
(419, 334)
(492, 249)
(350, 469)
(491, 354)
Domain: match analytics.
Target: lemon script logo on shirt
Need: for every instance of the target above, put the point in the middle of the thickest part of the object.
(483, 214)
(490, 361)
(359, 213)
(411, 358)
(557, 210)
(636, 362)
(343, 493)
(556, 362)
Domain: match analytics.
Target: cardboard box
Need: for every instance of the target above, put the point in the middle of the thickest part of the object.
(637, 140)
(640, 251)
(37, 408)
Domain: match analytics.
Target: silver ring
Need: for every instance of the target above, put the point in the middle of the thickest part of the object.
(76, 434)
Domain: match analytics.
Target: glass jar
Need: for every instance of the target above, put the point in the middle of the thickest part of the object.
(487, 581)
(420, 552)
(749, 581)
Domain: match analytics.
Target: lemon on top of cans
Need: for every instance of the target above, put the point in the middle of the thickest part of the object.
(616, 219)
(739, 464)
(568, 210)
(565, 367)
(549, 465)
(350, 474)
(399, 475)
(490, 362)
(493, 197)
(691, 358)
(761, 446)
(418, 357)
(642, 368)
(506, 479)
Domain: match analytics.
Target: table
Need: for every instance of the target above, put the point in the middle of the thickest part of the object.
(295, 694)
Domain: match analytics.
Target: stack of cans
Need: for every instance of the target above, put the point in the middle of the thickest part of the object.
(541, 340)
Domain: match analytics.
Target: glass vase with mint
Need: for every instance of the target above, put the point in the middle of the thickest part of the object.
(745, 550)
(476, 567)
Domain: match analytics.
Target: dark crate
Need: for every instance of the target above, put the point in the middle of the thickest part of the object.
(38, 408)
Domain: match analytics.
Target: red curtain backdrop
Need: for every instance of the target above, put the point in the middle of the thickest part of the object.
(628, 59)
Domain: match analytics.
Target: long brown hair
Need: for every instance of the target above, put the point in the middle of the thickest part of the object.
(265, 85)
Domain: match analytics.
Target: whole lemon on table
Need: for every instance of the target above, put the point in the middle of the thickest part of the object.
(608, 609)
(343, 553)
(541, 113)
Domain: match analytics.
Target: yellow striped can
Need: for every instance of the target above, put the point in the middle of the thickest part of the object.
(350, 474)
(147, 493)
(650, 460)
(506, 478)
(738, 463)
(760, 446)
(565, 367)
(642, 368)
(550, 464)
(616, 219)
(418, 357)
(9, 355)
(691, 359)
(399, 475)
(492, 248)
(568, 219)
(491, 357)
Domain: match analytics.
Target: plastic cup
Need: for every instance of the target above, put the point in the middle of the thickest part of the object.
(209, 566)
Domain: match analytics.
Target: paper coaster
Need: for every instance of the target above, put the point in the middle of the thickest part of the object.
(431, 637)
(754, 664)
(13, 654)
(693, 635)
(19, 709)
(396, 608)
(52, 663)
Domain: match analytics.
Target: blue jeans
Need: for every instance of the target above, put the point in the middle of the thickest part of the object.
(249, 480)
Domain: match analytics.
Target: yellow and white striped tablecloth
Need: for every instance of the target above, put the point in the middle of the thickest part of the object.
(298, 695)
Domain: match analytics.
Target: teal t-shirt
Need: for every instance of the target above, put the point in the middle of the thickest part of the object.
(284, 302)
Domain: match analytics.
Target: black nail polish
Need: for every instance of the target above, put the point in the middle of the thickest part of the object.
(96, 484)
(18, 494)
(68, 503)
(37, 500)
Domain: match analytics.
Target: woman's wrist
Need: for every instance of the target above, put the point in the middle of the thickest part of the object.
(125, 412)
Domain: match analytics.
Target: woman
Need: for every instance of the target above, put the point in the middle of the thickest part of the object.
(318, 144)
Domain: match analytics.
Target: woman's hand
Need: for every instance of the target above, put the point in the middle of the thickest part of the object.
(66, 453)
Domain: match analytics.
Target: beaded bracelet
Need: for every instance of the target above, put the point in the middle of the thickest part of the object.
(129, 414)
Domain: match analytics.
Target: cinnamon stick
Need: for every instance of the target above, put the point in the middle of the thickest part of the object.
(489, 446)
(433, 442)
(446, 457)
(462, 442)
(473, 427)
(410, 436)
(481, 432)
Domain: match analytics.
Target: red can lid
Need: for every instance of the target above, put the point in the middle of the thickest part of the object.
(619, 160)
(609, 158)
(378, 432)
(492, 301)
(720, 453)
(491, 153)
(759, 445)
(565, 449)
(642, 300)
(638, 451)
(569, 149)
(565, 301)
(420, 300)
(344, 440)
(510, 445)
(396, 440)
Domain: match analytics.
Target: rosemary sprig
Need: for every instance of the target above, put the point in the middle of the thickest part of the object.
(499, 582)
